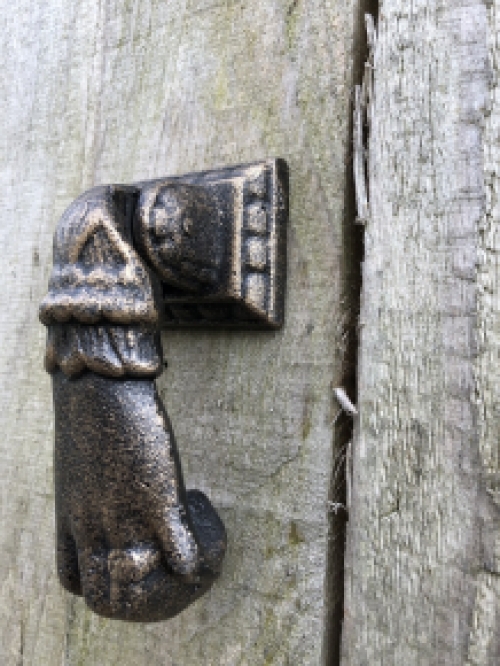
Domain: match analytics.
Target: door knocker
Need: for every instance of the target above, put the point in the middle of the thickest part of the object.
(203, 250)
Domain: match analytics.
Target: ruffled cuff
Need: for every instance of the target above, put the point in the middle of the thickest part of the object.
(112, 351)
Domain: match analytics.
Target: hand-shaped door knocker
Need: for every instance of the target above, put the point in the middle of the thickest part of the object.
(199, 250)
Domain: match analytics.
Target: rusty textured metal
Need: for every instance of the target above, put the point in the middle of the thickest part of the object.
(199, 250)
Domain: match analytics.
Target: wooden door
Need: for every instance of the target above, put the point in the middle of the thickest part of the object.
(98, 92)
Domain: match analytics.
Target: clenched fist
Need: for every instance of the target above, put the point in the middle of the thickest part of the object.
(129, 538)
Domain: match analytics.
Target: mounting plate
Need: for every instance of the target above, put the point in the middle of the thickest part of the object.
(252, 204)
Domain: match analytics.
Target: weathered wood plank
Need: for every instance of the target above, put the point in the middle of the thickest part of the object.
(422, 583)
(113, 91)
(484, 641)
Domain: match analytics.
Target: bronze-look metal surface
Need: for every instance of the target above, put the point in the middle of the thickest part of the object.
(247, 251)
(199, 250)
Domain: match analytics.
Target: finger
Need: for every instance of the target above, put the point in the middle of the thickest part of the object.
(133, 584)
(161, 479)
(167, 506)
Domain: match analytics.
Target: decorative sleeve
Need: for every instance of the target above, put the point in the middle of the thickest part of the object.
(103, 305)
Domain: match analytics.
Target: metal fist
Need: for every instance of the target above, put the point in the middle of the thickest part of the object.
(129, 537)
(205, 249)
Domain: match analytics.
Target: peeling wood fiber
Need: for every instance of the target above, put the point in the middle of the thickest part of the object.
(422, 581)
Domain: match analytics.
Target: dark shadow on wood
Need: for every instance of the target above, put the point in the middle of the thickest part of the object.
(347, 318)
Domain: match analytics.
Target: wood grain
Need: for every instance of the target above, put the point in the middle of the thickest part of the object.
(107, 91)
(422, 583)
